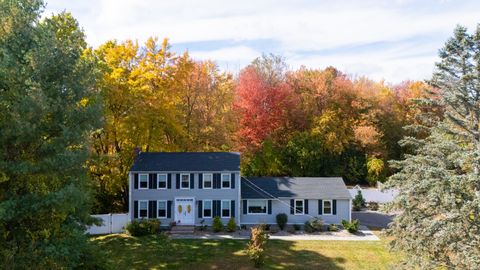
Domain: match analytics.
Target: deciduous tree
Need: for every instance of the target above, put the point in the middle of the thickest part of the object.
(48, 107)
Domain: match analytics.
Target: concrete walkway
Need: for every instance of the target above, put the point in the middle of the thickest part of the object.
(364, 234)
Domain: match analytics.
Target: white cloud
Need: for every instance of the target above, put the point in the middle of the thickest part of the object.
(293, 27)
(237, 53)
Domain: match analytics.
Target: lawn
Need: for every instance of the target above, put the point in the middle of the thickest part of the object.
(159, 252)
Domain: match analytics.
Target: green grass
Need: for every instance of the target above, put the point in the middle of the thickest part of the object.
(159, 252)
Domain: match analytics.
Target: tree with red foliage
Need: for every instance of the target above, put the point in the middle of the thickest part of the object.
(262, 107)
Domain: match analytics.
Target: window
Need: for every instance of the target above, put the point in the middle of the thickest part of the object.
(225, 180)
(142, 209)
(207, 180)
(143, 179)
(161, 181)
(207, 209)
(257, 206)
(327, 207)
(185, 184)
(298, 207)
(161, 209)
(225, 209)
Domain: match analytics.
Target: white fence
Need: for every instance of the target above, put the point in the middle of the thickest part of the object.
(112, 223)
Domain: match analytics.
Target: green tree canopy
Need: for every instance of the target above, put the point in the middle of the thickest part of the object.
(48, 107)
(439, 203)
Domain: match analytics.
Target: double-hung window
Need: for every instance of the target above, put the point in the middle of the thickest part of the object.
(257, 206)
(185, 181)
(207, 208)
(207, 180)
(161, 209)
(226, 181)
(327, 207)
(225, 209)
(299, 208)
(161, 181)
(142, 209)
(143, 180)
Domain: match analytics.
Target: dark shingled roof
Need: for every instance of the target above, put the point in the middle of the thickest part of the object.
(294, 187)
(186, 161)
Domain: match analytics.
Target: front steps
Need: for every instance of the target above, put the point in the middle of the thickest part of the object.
(182, 229)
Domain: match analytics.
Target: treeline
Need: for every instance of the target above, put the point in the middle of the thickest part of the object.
(305, 122)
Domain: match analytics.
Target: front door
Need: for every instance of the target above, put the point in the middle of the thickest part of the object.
(184, 211)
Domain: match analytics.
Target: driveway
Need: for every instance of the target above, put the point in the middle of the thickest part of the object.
(372, 218)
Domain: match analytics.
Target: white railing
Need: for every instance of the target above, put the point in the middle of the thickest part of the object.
(111, 223)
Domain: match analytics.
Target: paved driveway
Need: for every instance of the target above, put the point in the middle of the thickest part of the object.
(373, 219)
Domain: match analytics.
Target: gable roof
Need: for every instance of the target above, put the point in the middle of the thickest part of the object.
(186, 161)
(294, 187)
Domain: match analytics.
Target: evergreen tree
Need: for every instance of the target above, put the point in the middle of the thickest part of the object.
(47, 110)
(439, 221)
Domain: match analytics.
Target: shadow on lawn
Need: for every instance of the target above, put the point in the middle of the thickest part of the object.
(160, 252)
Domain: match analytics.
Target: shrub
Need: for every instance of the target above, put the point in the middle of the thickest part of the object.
(351, 227)
(373, 206)
(307, 227)
(256, 247)
(217, 225)
(296, 227)
(314, 225)
(282, 220)
(231, 225)
(358, 202)
(143, 227)
(243, 227)
(332, 228)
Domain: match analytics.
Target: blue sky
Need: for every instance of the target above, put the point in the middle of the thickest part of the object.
(392, 40)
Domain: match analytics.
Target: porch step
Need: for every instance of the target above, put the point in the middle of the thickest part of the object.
(182, 229)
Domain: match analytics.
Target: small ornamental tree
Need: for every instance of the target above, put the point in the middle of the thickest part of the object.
(256, 246)
(231, 225)
(358, 202)
(217, 225)
(282, 220)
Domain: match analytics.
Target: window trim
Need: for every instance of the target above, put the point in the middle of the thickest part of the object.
(248, 207)
(140, 181)
(211, 208)
(229, 208)
(139, 208)
(181, 180)
(166, 210)
(211, 180)
(295, 207)
(158, 180)
(229, 181)
(331, 207)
